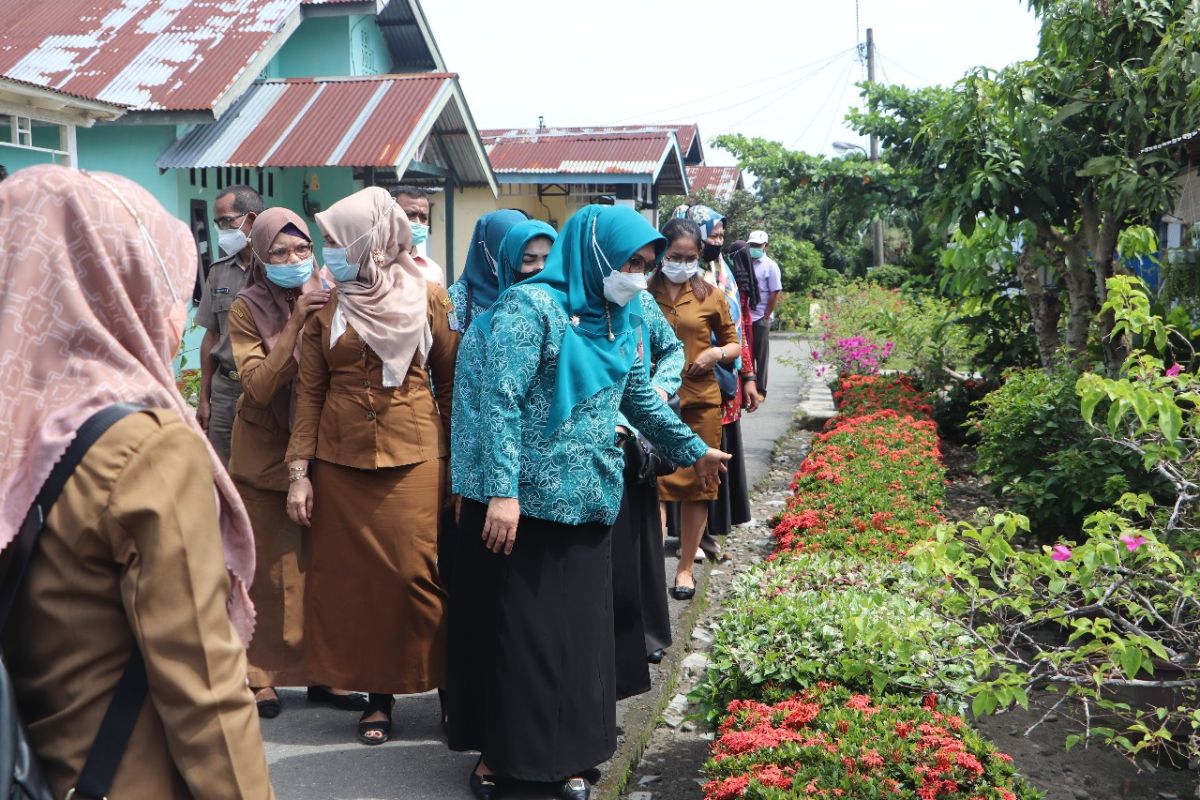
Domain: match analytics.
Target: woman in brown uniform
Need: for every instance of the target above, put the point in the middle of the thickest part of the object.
(377, 440)
(699, 314)
(141, 548)
(282, 290)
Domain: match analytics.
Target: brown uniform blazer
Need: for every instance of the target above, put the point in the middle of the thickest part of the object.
(260, 430)
(694, 322)
(345, 416)
(131, 553)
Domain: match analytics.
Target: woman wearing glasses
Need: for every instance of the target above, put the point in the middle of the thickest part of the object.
(378, 442)
(697, 312)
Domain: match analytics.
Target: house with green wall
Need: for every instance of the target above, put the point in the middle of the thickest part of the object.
(305, 100)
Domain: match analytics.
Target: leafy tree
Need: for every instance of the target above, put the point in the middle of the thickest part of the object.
(1058, 143)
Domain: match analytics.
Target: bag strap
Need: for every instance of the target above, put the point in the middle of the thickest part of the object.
(31, 527)
(121, 716)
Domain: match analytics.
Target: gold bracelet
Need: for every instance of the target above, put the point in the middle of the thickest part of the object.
(297, 474)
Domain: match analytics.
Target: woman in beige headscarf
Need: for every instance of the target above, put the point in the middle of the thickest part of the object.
(377, 441)
(94, 278)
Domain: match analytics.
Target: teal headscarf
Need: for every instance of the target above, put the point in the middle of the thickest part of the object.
(595, 241)
(480, 271)
(512, 249)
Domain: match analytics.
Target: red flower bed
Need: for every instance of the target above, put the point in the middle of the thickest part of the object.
(827, 742)
(871, 485)
(863, 394)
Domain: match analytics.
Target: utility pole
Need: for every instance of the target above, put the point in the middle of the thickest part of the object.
(877, 225)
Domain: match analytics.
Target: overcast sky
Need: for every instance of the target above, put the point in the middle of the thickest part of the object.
(781, 69)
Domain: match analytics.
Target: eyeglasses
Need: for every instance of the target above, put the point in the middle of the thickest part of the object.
(279, 255)
(228, 223)
(637, 264)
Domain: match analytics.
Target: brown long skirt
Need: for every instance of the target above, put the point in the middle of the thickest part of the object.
(682, 484)
(276, 653)
(374, 605)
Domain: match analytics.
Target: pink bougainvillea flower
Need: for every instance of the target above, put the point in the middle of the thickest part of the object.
(1133, 542)
(1174, 370)
(1061, 553)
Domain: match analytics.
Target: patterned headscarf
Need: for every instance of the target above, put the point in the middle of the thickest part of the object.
(704, 216)
(93, 280)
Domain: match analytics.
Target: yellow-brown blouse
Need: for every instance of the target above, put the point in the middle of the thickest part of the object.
(694, 322)
(345, 416)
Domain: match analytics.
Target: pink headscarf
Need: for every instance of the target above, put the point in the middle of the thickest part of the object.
(91, 313)
(387, 304)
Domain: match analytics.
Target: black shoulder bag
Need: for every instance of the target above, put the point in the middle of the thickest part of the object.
(20, 775)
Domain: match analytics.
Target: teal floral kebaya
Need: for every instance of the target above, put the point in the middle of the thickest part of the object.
(503, 447)
(666, 351)
(465, 309)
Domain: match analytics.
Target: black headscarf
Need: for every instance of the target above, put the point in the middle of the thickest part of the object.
(743, 271)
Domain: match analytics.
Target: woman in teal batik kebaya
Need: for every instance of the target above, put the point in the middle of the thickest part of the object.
(474, 292)
(531, 683)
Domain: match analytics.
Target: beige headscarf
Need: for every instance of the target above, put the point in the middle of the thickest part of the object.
(387, 304)
(94, 275)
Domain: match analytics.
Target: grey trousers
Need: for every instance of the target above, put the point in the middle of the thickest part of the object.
(222, 408)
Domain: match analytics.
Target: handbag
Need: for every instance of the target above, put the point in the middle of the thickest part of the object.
(652, 464)
(21, 777)
(727, 380)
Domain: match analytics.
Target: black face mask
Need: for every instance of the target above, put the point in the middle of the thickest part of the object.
(711, 252)
(520, 276)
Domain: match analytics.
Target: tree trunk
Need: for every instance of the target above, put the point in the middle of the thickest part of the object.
(1044, 307)
(1116, 348)
(1081, 292)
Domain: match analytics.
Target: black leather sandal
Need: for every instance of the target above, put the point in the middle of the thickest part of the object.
(269, 708)
(383, 726)
(575, 789)
(683, 592)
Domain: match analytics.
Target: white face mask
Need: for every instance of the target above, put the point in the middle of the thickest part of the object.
(232, 242)
(621, 287)
(680, 271)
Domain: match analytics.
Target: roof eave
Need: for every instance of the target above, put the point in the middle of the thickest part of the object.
(52, 106)
(511, 178)
(473, 131)
(673, 147)
(249, 74)
(363, 7)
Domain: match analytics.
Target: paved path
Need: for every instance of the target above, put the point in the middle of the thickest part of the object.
(313, 753)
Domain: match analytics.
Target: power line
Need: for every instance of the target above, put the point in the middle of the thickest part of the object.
(903, 68)
(839, 84)
(834, 120)
(822, 61)
(785, 89)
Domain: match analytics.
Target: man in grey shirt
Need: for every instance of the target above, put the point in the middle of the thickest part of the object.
(770, 285)
(235, 211)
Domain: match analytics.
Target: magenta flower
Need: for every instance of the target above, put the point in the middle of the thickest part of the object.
(1061, 553)
(1133, 542)
(1173, 370)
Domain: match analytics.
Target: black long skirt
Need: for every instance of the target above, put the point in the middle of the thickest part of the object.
(732, 506)
(640, 615)
(531, 665)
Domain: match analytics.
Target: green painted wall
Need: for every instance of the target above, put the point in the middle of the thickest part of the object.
(130, 150)
(319, 47)
(14, 158)
(334, 183)
(369, 54)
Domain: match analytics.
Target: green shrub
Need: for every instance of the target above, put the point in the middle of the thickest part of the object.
(890, 276)
(801, 619)
(791, 313)
(1041, 458)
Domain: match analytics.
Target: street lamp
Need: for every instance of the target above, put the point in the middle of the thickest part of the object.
(842, 147)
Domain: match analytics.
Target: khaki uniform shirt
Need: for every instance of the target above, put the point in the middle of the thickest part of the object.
(261, 429)
(695, 322)
(131, 554)
(225, 280)
(345, 416)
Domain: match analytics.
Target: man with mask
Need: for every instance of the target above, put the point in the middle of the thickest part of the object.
(414, 202)
(770, 285)
(235, 211)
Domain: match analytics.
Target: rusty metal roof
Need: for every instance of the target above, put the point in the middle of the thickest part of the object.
(721, 181)
(687, 135)
(370, 121)
(149, 55)
(565, 154)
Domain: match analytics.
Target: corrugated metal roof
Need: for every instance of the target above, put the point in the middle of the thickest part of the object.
(688, 135)
(373, 121)
(721, 181)
(556, 152)
(173, 55)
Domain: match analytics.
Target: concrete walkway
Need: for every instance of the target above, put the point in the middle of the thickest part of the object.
(314, 755)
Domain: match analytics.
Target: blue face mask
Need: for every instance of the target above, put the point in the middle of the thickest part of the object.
(420, 232)
(290, 276)
(336, 263)
(756, 253)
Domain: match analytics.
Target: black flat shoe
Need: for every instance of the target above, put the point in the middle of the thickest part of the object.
(382, 726)
(483, 787)
(657, 656)
(683, 592)
(269, 709)
(342, 702)
(575, 789)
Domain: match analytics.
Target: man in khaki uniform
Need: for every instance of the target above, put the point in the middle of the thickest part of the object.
(235, 211)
